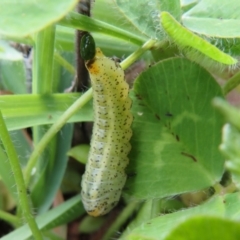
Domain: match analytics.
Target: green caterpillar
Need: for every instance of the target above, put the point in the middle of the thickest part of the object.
(105, 176)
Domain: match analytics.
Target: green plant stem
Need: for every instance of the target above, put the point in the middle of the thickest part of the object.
(53, 130)
(13, 220)
(232, 114)
(43, 61)
(155, 208)
(231, 83)
(76, 106)
(218, 189)
(64, 63)
(231, 188)
(84, 23)
(18, 177)
(42, 81)
(57, 216)
(134, 56)
(121, 219)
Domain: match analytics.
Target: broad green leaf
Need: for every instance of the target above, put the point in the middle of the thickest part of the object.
(109, 12)
(23, 149)
(57, 216)
(13, 76)
(22, 144)
(158, 228)
(144, 15)
(9, 53)
(33, 109)
(206, 227)
(176, 132)
(79, 152)
(25, 17)
(214, 18)
(52, 172)
(230, 147)
(189, 41)
(149, 210)
(6, 173)
(232, 205)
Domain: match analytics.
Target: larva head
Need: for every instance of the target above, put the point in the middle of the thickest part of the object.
(87, 47)
(91, 65)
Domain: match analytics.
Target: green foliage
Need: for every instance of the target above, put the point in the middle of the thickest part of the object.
(168, 110)
(176, 130)
(209, 227)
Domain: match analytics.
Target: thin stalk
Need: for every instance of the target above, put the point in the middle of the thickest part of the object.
(84, 23)
(218, 189)
(232, 83)
(76, 106)
(231, 114)
(121, 219)
(135, 55)
(18, 177)
(155, 208)
(13, 220)
(64, 63)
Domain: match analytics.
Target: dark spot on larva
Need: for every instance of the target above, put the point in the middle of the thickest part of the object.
(190, 156)
(49, 116)
(168, 114)
(188, 98)
(177, 138)
(157, 116)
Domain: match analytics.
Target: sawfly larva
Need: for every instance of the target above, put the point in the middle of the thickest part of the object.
(105, 175)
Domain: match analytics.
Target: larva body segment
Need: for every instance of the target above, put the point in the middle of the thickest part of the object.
(105, 176)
